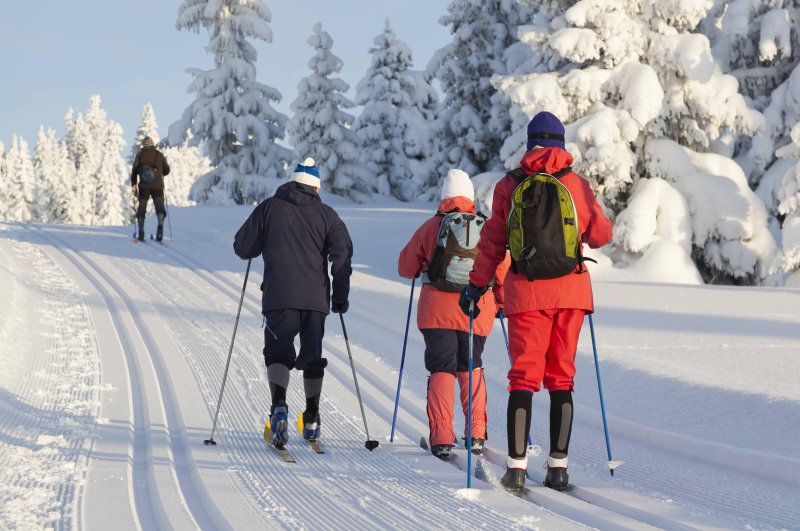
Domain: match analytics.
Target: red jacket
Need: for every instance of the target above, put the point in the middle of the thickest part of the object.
(439, 309)
(570, 291)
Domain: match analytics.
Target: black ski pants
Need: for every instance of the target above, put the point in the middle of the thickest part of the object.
(158, 202)
(280, 329)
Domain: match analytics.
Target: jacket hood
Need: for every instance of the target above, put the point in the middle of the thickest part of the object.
(297, 193)
(459, 203)
(549, 160)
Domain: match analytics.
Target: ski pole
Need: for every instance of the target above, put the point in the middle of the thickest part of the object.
(169, 219)
(611, 463)
(211, 440)
(402, 360)
(469, 400)
(505, 335)
(369, 444)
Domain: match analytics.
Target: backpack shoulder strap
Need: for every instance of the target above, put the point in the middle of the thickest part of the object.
(518, 173)
(562, 172)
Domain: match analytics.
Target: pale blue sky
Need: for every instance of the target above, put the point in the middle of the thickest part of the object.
(56, 54)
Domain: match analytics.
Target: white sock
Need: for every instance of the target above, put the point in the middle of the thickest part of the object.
(553, 462)
(517, 463)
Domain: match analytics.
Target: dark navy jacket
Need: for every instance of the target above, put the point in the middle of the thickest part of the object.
(297, 234)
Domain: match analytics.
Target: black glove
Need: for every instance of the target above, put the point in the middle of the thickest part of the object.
(340, 307)
(469, 294)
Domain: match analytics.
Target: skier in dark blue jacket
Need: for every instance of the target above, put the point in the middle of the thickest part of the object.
(297, 235)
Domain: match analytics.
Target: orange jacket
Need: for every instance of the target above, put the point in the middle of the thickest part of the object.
(439, 309)
(570, 291)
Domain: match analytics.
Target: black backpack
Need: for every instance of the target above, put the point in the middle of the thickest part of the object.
(543, 227)
(455, 252)
(147, 173)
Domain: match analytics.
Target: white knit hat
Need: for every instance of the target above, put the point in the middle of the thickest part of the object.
(307, 173)
(457, 183)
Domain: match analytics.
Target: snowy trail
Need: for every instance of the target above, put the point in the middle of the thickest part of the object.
(152, 327)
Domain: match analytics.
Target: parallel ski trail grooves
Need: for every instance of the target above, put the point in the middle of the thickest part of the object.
(355, 471)
(148, 488)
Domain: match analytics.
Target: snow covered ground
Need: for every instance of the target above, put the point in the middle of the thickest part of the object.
(112, 355)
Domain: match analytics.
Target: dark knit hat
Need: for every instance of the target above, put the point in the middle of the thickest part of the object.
(147, 141)
(545, 130)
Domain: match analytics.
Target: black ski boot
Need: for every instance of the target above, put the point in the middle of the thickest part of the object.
(514, 479)
(477, 445)
(442, 451)
(160, 228)
(557, 479)
(141, 229)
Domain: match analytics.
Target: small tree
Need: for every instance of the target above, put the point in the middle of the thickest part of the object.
(148, 126)
(391, 126)
(473, 120)
(20, 179)
(55, 179)
(321, 129)
(187, 164)
(232, 112)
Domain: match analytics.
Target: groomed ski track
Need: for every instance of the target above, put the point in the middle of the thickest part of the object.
(162, 318)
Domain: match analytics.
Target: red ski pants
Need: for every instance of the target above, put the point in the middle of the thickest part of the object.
(542, 346)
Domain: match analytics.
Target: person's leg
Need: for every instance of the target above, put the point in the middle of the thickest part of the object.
(144, 196)
(441, 348)
(479, 418)
(311, 362)
(281, 326)
(559, 380)
(161, 212)
(529, 334)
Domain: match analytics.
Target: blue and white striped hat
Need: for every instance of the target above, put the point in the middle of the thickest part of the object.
(307, 173)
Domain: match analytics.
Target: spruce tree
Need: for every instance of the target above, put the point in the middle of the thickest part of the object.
(643, 97)
(55, 179)
(232, 114)
(473, 120)
(148, 126)
(20, 181)
(321, 129)
(391, 126)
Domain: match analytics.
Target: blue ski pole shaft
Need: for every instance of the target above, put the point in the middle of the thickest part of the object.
(469, 401)
(505, 335)
(600, 389)
(402, 360)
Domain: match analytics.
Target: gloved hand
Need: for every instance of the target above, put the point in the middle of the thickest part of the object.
(471, 293)
(340, 307)
(500, 314)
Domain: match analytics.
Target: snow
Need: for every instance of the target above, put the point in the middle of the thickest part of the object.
(112, 356)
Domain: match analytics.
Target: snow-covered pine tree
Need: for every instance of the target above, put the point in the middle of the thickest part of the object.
(391, 126)
(186, 164)
(321, 129)
(148, 126)
(758, 43)
(473, 121)
(3, 177)
(86, 158)
(19, 182)
(232, 113)
(788, 192)
(643, 98)
(55, 179)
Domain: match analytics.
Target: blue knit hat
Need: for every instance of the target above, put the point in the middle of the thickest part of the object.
(545, 130)
(307, 173)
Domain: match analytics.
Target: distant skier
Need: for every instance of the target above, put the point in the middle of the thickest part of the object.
(297, 235)
(149, 168)
(445, 269)
(545, 308)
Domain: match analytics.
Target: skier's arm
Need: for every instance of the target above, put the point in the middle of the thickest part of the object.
(134, 173)
(599, 230)
(340, 250)
(164, 166)
(249, 240)
(492, 245)
(412, 257)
